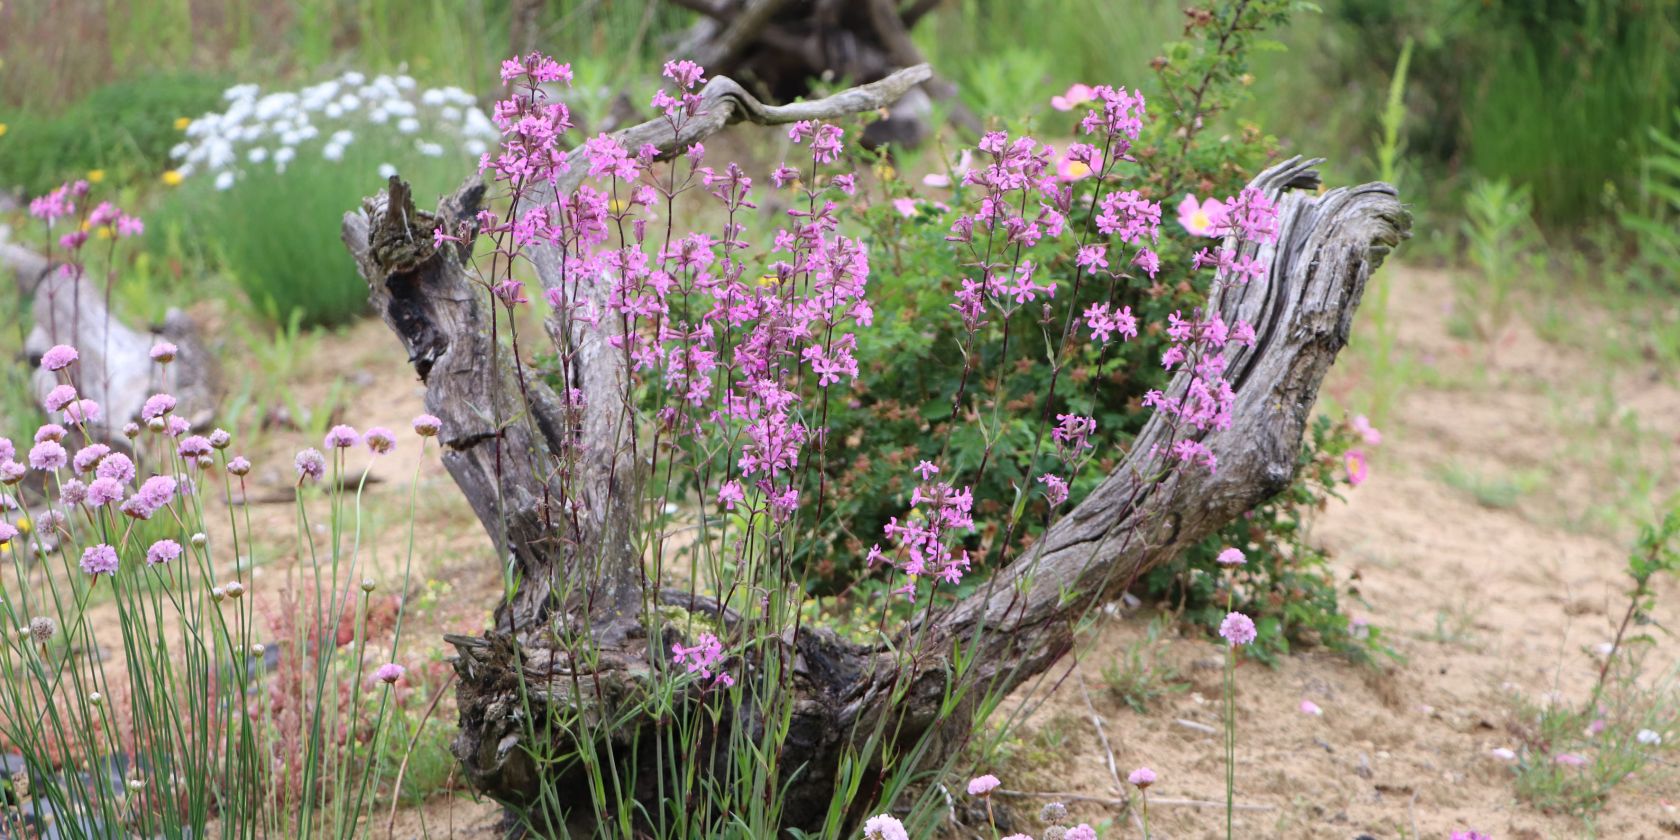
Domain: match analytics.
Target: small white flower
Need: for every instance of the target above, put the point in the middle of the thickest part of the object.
(433, 97)
(1503, 754)
(405, 82)
(352, 78)
(475, 147)
(378, 115)
(224, 179)
(179, 150)
(257, 155)
(408, 125)
(429, 149)
(349, 102)
(343, 136)
(386, 170)
(332, 151)
(1648, 738)
(450, 114)
(333, 110)
(284, 154)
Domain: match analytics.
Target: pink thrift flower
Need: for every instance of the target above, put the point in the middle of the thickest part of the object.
(1083, 831)
(906, 207)
(1238, 629)
(1076, 95)
(104, 491)
(427, 426)
(72, 492)
(1470, 835)
(12, 472)
(7, 532)
(163, 352)
(99, 560)
(81, 411)
(311, 465)
(157, 405)
(48, 455)
(1369, 433)
(59, 357)
(1308, 707)
(982, 785)
(884, 827)
(1231, 557)
(380, 440)
(162, 552)
(341, 437)
(1142, 777)
(239, 465)
(115, 466)
(88, 457)
(1357, 470)
(60, 396)
(1204, 218)
(388, 673)
(50, 431)
(196, 446)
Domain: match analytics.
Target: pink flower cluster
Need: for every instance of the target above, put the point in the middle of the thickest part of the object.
(105, 217)
(924, 543)
(704, 658)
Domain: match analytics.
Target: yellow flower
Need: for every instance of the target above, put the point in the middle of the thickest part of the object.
(767, 280)
(96, 176)
(104, 232)
(2, 129)
(887, 172)
(181, 123)
(22, 524)
(616, 206)
(172, 178)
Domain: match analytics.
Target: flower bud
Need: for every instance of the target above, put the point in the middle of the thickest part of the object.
(157, 424)
(217, 593)
(199, 539)
(367, 584)
(234, 589)
(96, 698)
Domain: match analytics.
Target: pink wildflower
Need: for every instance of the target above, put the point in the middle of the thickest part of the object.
(1238, 629)
(50, 431)
(157, 405)
(1231, 557)
(8, 532)
(1570, 759)
(162, 552)
(99, 560)
(1369, 433)
(1357, 470)
(1077, 94)
(59, 357)
(311, 465)
(731, 494)
(1472, 834)
(982, 785)
(1142, 777)
(1308, 707)
(1055, 488)
(104, 491)
(164, 352)
(341, 437)
(48, 455)
(115, 466)
(1201, 218)
(389, 673)
(1083, 831)
(240, 466)
(60, 396)
(427, 426)
(380, 440)
(884, 827)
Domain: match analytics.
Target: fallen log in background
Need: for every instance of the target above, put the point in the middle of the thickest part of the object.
(1327, 248)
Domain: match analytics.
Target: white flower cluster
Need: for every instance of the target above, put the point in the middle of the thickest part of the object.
(274, 128)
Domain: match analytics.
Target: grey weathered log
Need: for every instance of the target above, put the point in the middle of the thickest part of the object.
(115, 368)
(1301, 309)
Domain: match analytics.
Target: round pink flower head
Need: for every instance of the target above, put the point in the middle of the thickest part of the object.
(104, 491)
(162, 552)
(50, 431)
(1232, 557)
(1142, 777)
(341, 437)
(1083, 831)
(1472, 834)
(982, 785)
(884, 827)
(8, 532)
(239, 466)
(8, 452)
(1238, 629)
(60, 396)
(115, 466)
(380, 440)
(195, 446)
(220, 439)
(163, 352)
(1308, 707)
(388, 673)
(48, 455)
(1368, 432)
(427, 425)
(99, 560)
(131, 430)
(59, 357)
(311, 465)
(157, 405)
(72, 492)
(82, 411)
(88, 457)
(12, 472)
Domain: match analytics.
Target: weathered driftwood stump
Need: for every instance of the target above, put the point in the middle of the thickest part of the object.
(779, 47)
(116, 369)
(1328, 246)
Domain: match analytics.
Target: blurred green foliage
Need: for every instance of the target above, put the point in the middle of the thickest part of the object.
(125, 128)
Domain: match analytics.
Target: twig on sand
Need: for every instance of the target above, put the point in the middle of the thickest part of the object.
(1106, 800)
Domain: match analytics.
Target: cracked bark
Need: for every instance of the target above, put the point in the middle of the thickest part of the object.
(1328, 246)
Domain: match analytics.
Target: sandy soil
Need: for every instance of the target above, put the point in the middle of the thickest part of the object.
(1481, 601)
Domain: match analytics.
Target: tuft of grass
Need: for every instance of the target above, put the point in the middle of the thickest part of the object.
(1504, 248)
(1492, 491)
(1142, 677)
